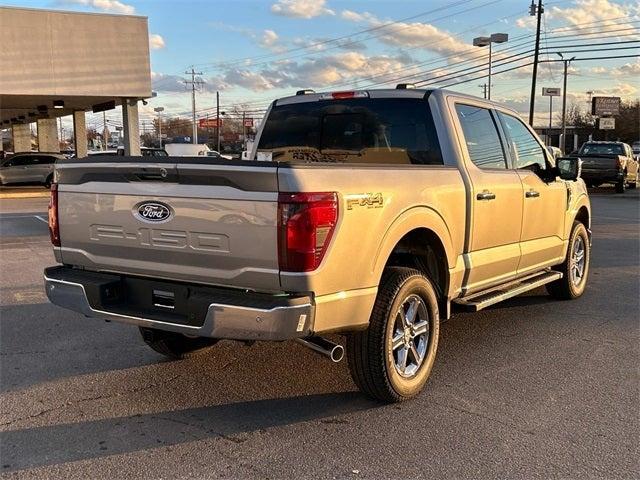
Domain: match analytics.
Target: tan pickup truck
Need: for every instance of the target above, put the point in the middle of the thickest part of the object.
(371, 214)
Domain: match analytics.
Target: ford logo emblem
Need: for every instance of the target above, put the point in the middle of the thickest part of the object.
(154, 212)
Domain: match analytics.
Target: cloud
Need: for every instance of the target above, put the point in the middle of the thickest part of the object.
(321, 72)
(111, 6)
(271, 41)
(628, 69)
(301, 8)
(414, 34)
(162, 82)
(156, 42)
(254, 81)
(586, 12)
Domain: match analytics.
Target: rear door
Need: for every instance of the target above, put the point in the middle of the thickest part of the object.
(545, 201)
(493, 250)
(193, 222)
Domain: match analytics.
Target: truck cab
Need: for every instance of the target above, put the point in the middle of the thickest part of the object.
(372, 214)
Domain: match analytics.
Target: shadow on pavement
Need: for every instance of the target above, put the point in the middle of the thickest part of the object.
(34, 447)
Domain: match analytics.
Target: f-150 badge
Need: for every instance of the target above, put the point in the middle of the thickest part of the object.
(368, 200)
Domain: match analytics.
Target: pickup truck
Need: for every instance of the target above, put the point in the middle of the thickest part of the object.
(371, 214)
(609, 162)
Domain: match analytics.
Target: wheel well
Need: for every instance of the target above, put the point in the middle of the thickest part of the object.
(583, 216)
(422, 249)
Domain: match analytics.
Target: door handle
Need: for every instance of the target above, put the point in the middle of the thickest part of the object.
(486, 195)
(532, 194)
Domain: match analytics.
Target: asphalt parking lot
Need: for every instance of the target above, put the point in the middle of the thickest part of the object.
(532, 388)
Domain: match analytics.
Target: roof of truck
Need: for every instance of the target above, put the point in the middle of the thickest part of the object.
(382, 93)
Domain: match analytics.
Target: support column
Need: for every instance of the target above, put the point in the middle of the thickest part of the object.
(21, 135)
(80, 133)
(48, 135)
(130, 127)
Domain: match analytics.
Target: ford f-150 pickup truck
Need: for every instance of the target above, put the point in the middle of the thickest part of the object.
(608, 162)
(370, 214)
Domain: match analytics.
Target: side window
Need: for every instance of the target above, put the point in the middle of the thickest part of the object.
(20, 161)
(481, 137)
(525, 149)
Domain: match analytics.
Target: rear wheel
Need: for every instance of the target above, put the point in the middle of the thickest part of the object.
(575, 268)
(392, 359)
(621, 185)
(175, 345)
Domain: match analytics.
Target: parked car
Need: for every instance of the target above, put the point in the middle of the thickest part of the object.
(372, 214)
(29, 167)
(635, 147)
(608, 162)
(145, 152)
(215, 154)
(186, 149)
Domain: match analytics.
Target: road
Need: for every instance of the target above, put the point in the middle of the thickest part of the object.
(532, 388)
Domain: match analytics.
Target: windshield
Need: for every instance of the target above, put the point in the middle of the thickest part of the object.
(359, 130)
(602, 149)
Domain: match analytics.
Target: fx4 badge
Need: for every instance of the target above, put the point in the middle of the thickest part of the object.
(369, 200)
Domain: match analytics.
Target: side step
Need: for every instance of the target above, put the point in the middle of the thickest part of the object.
(486, 298)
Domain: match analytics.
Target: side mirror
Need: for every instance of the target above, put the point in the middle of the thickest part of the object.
(569, 168)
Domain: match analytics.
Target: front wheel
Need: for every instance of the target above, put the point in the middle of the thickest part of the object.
(392, 359)
(575, 267)
(174, 345)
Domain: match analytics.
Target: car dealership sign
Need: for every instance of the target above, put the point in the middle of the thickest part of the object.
(605, 106)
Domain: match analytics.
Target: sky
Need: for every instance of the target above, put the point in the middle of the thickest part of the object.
(253, 51)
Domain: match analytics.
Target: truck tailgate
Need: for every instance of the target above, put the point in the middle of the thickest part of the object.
(181, 219)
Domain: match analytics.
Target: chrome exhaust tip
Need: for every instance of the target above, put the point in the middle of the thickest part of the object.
(333, 351)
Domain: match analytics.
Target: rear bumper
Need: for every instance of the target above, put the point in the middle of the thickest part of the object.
(205, 311)
(604, 175)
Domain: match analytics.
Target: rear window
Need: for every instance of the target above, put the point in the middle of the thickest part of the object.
(602, 149)
(359, 130)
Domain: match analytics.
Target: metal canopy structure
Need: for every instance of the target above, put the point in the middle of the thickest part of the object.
(55, 63)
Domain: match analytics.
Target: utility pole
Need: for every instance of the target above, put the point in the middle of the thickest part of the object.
(194, 84)
(159, 111)
(244, 133)
(218, 119)
(564, 101)
(483, 87)
(533, 10)
(104, 131)
(550, 118)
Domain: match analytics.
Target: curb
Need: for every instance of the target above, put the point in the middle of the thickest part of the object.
(25, 195)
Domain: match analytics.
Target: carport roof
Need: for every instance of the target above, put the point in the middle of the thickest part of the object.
(79, 59)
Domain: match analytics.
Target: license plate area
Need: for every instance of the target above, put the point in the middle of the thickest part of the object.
(163, 299)
(157, 300)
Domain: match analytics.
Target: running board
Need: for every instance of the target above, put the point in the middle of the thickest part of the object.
(494, 295)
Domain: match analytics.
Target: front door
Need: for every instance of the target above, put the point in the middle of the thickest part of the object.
(544, 197)
(492, 252)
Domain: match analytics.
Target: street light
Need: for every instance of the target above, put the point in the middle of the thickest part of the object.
(564, 100)
(159, 110)
(483, 42)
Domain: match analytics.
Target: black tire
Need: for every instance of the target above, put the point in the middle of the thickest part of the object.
(48, 181)
(621, 186)
(175, 345)
(567, 288)
(372, 361)
(634, 184)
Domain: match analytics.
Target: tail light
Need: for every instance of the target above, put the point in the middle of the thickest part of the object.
(306, 222)
(54, 226)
